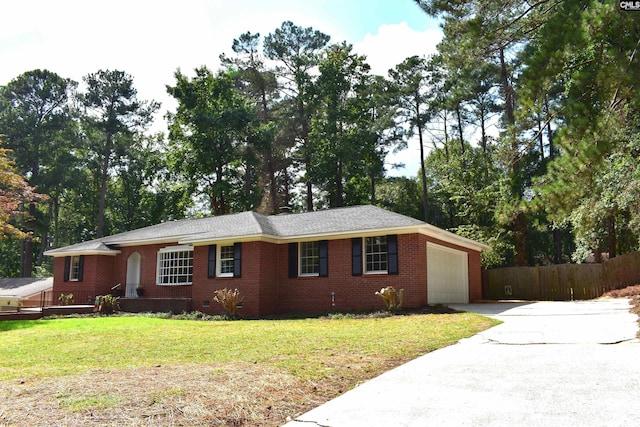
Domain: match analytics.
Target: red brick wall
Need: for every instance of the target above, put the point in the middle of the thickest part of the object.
(148, 271)
(97, 278)
(256, 283)
(314, 294)
(475, 276)
(265, 284)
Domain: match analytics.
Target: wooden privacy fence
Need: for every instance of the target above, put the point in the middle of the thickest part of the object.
(562, 282)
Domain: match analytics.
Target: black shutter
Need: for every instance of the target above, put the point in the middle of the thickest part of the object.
(293, 260)
(67, 268)
(392, 253)
(211, 269)
(237, 259)
(80, 268)
(323, 261)
(356, 256)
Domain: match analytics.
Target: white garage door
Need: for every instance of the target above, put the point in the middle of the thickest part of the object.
(447, 275)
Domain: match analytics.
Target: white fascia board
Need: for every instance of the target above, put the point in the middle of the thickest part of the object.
(195, 241)
(351, 233)
(304, 237)
(449, 237)
(112, 252)
(144, 242)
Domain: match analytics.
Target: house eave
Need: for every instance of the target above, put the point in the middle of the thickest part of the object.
(350, 234)
(222, 239)
(57, 254)
(449, 237)
(153, 241)
(425, 229)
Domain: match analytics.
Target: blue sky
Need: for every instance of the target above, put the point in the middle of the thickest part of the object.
(151, 39)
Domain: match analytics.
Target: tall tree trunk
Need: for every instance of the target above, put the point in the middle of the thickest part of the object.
(483, 132)
(287, 186)
(557, 246)
(273, 185)
(103, 184)
(520, 240)
(372, 188)
(218, 200)
(309, 196)
(26, 257)
(552, 152)
(613, 238)
(446, 139)
(423, 174)
(307, 157)
(26, 260)
(519, 223)
(271, 168)
(339, 186)
(556, 234)
(460, 135)
(540, 139)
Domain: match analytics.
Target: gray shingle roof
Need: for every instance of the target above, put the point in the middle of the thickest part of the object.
(342, 220)
(25, 286)
(247, 225)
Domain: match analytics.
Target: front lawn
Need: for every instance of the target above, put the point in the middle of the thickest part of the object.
(141, 370)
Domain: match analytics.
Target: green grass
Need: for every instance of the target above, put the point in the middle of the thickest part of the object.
(306, 348)
(91, 402)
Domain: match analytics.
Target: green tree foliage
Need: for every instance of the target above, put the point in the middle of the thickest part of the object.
(411, 77)
(594, 179)
(260, 85)
(37, 118)
(568, 102)
(142, 188)
(214, 136)
(297, 51)
(527, 119)
(114, 111)
(339, 141)
(14, 194)
(399, 194)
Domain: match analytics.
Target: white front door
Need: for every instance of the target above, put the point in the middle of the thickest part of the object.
(133, 275)
(447, 275)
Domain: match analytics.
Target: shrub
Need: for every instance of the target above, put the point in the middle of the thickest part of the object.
(391, 297)
(107, 304)
(65, 299)
(230, 300)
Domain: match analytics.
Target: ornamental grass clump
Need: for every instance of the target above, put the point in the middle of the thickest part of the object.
(392, 298)
(230, 300)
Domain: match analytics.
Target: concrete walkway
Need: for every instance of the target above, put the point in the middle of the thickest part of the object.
(549, 363)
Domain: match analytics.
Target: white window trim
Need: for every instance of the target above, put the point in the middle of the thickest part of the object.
(300, 274)
(364, 258)
(219, 272)
(74, 273)
(169, 249)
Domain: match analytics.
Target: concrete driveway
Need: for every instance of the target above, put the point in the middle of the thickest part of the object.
(549, 363)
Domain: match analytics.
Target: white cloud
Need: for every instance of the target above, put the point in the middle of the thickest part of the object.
(151, 39)
(391, 45)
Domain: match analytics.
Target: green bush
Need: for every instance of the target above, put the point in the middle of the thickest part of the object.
(107, 304)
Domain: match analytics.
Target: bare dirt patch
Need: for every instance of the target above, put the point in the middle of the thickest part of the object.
(231, 394)
(632, 292)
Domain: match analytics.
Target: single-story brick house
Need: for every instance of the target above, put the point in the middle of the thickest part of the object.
(306, 263)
